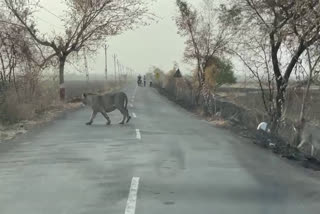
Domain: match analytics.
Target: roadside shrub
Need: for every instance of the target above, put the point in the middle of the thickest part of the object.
(13, 110)
(28, 99)
(170, 83)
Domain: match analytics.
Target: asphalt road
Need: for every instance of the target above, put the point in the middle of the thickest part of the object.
(184, 165)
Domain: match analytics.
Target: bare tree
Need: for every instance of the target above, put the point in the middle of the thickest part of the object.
(205, 38)
(254, 52)
(290, 27)
(312, 59)
(18, 53)
(87, 23)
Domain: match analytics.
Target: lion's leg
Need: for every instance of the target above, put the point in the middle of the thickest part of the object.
(128, 116)
(93, 115)
(123, 112)
(107, 117)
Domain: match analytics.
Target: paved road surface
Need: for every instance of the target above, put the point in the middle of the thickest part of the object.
(184, 166)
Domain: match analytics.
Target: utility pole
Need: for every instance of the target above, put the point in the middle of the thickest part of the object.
(86, 66)
(115, 66)
(106, 61)
(122, 73)
(119, 70)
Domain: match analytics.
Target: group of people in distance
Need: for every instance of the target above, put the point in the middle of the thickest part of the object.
(144, 81)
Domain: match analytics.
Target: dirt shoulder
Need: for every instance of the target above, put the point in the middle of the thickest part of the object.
(8, 132)
(271, 143)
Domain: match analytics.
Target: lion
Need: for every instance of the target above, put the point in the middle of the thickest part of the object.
(107, 103)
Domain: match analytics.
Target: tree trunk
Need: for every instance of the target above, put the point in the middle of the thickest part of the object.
(277, 114)
(62, 92)
(198, 93)
(282, 83)
(302, 121)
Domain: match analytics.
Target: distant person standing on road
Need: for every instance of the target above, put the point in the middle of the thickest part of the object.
(144, 80)
(139, 80)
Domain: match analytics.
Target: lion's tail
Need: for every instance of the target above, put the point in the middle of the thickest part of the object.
(126, 102)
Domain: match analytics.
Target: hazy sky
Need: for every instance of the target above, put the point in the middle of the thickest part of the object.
(157, 44)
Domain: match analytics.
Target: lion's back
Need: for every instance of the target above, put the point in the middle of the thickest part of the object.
(109, 101)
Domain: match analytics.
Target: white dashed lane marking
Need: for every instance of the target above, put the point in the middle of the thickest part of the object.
(132, 198)
(138, 134)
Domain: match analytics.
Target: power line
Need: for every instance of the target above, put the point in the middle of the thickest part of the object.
(51, 13)
(120, 69)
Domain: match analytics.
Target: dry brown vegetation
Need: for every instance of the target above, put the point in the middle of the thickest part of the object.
(21, 113)
(17, 104)
(251, 98)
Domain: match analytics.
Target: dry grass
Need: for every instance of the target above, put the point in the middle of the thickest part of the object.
(220, 123)
(18, 104)
(14, 109)
(26, 100)
(21, 113)
(251, 99)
